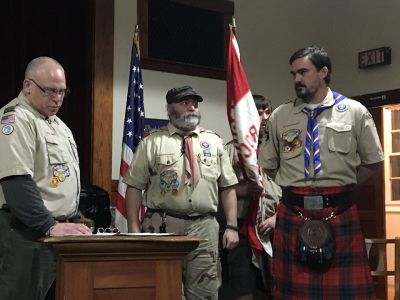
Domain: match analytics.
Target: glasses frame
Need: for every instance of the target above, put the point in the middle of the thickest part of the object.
(52, 92)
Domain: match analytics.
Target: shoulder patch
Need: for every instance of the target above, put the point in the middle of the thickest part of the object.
(9, 109)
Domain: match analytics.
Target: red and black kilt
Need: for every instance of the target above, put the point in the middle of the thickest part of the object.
(349, 276)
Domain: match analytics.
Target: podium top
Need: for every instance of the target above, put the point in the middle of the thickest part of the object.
(122, 237)
(122, 244)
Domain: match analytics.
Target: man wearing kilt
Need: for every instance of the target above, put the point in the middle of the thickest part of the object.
(321, 146)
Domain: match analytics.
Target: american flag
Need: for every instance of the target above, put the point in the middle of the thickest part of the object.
(133, 132)
(242, 112)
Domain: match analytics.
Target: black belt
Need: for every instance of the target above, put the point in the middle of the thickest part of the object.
(178, 216)
(344, 199)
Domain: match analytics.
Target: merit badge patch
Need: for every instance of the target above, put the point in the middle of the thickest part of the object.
(60, 172)
(8, 119)
(169, 182)
(341, 107)
(7, 129)
(291, 140)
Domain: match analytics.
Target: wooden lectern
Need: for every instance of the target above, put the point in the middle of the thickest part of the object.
(120, 267)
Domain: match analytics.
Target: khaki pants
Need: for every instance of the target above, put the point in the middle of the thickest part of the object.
(201, 269)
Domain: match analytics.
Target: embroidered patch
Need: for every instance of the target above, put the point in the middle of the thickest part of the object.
(169, 182)
(8, 119)
(205, 145)
(7, 129)
(207, 153)
(291, 140)
(61, 172)
(341, 107)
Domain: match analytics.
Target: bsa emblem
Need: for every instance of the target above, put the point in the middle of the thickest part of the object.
(7, 129)
(169, 183)
(341, 107)
(291, 141)
(205, 145)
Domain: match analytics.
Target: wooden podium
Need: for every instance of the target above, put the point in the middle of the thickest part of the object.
(120, 267)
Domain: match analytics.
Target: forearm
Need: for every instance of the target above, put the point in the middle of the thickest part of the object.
(26, 203)
(229, 204)
(133, 201)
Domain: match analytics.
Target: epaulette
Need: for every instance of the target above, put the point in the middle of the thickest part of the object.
(154, 130)
(228, 143)
(209, 131)
(9, 109)
(291, 101)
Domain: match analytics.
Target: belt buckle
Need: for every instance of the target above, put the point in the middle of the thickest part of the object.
(313, 202)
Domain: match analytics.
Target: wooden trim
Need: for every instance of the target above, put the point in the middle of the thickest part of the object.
(151, 63)
(114, 190)
(103, 55)
(379, 98)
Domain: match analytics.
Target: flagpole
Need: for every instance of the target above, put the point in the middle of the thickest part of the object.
(136, 39)
(233, 25)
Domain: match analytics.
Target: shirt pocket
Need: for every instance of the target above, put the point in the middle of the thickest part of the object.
(209, 167)
(166, 162)
(339, 137)
(55, 150)
(74, 148)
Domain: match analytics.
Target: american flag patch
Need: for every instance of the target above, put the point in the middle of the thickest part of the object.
(8, 119)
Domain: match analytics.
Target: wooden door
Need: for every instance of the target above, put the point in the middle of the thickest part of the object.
(370, 200)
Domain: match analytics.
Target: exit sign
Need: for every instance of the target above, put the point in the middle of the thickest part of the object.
(374, 57)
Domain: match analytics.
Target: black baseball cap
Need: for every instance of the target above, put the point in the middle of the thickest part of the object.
(178, 94)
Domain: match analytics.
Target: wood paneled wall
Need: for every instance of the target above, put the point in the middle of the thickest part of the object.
(79, 34)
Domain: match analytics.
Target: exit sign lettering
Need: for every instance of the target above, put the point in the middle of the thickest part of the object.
(374, 57)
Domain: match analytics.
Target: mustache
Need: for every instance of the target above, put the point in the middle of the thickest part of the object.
(298, 85)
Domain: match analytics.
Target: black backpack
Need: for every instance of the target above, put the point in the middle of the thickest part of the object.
(94, 204)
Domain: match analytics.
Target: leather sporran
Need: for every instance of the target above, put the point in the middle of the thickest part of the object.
(315, 244)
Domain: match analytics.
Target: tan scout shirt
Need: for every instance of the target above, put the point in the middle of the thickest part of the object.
(272, 192)
(158, 168)
(347, 139)
(44, 148)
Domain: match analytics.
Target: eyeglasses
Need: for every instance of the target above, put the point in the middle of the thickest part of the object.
(52, 92)
(108, 230)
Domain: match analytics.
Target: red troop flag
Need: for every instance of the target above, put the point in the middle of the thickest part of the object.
(242, 112)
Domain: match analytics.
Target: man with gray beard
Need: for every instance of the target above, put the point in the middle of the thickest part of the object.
(181, 168)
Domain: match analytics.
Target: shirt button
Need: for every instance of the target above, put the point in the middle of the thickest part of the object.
(190, 200)
(167, 162)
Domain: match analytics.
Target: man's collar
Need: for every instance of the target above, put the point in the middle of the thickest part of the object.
(24, 101)
(172, 130)
(299, 104)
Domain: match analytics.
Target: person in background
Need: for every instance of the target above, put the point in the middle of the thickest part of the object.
(246, 269)
(181, 168)
(39, 182)
(322, 146)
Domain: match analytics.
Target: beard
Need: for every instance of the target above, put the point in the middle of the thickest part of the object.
(184, 121)
(303, 92)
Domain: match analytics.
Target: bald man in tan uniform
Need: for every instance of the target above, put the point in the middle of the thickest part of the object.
(39, 182)
(322, 145)
(185, 198)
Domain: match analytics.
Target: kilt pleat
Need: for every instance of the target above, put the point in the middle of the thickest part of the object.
(348, 277)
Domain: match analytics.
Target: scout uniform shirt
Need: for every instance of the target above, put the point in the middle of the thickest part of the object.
(158, 168)
(347, 138)
(44, 148)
